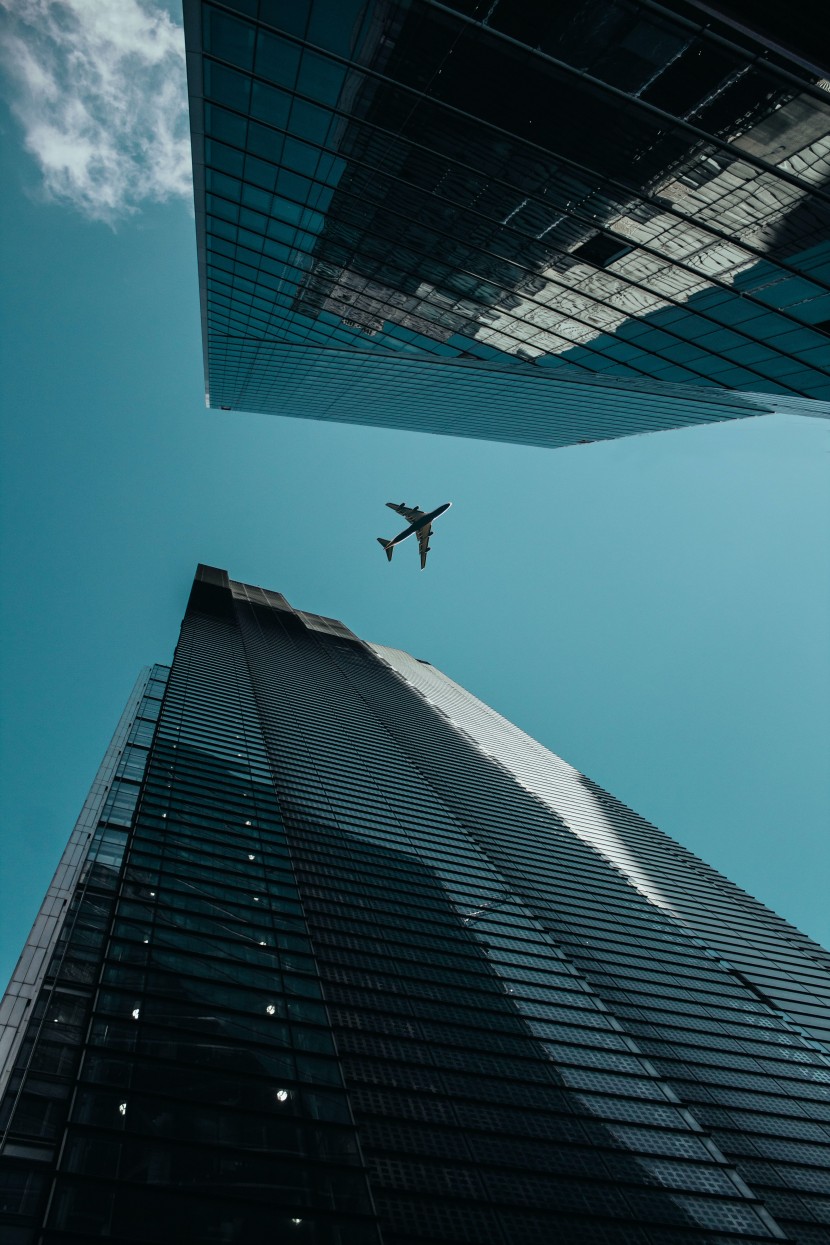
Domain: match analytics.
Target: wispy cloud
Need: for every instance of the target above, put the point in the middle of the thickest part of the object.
(99, 89)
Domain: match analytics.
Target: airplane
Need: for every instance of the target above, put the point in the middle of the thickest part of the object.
(418, 522)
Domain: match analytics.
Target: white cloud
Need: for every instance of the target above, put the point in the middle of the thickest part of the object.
(100, 93)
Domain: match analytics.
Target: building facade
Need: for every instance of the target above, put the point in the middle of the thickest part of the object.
(509, 220)
(338, 955)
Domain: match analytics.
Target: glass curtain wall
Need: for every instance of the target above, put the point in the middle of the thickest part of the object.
(507, 200)
(337, 975)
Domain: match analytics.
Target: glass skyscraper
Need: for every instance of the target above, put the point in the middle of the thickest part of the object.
(512, 220)
(336, 954)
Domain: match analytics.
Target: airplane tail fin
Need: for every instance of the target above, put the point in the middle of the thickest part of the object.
(388, 547)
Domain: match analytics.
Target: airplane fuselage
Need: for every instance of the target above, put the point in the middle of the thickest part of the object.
(419, 523)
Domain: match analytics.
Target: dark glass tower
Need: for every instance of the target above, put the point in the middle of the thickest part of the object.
(338, 955)
(512, 220)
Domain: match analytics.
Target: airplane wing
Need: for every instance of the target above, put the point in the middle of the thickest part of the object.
(423, 543)
(410, 513)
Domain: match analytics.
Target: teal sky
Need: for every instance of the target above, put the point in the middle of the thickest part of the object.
(655, 610)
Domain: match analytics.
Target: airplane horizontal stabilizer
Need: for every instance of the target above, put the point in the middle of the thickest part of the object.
(388, 547)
